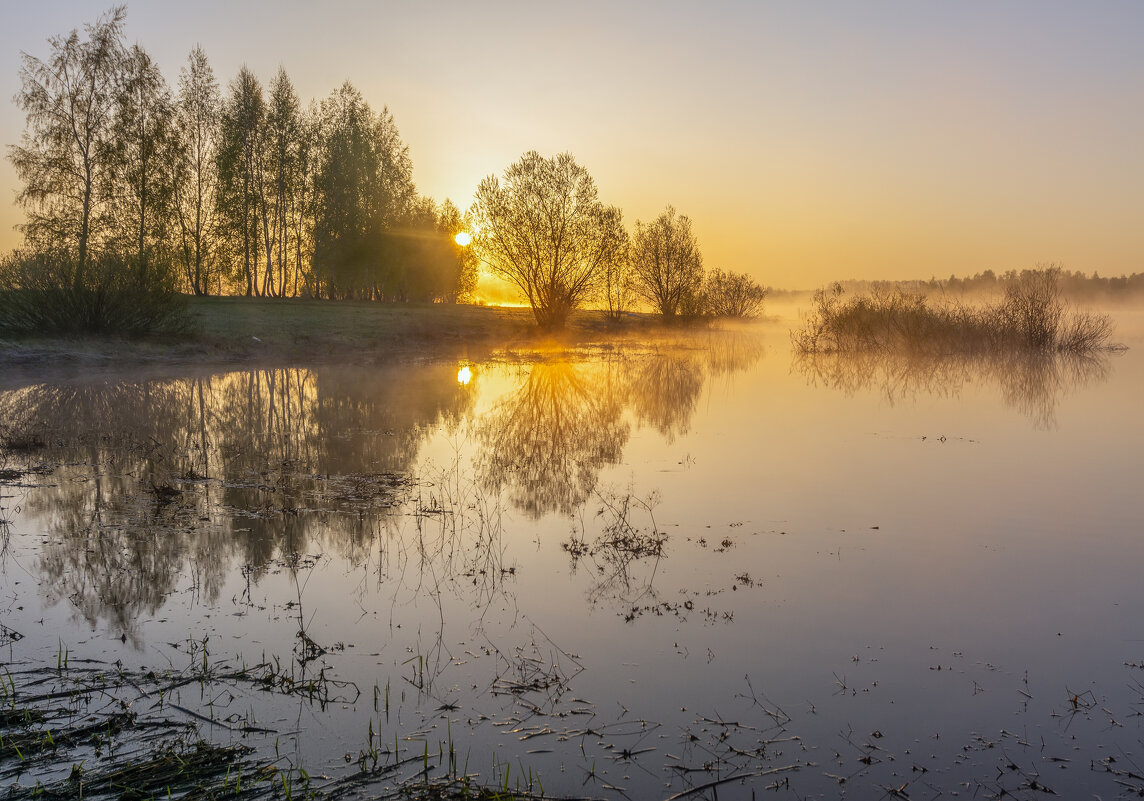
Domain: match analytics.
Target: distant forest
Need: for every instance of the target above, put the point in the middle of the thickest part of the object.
(1074, 284)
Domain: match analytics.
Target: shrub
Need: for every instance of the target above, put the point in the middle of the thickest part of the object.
(728, 294)
(1031, 316)
(38, 294)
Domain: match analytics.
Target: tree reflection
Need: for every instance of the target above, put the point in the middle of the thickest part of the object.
(158, 483)
(1030, 383)
(665, 391)
(546, 442)
(158, 479)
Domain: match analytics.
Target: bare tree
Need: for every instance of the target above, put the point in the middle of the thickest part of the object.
(70, 102)
(197, 122)
(544, 230)
(667, 264)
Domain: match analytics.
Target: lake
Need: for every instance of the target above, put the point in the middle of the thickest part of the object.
(693, 567)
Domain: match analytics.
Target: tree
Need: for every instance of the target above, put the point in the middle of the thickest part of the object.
(197, 124)
(141, 177)
(427, 263)
(278, 178)
(347, 234)
(667, 264)
(727, 294)
(616, 292)
(303, 211)
(243, 117)
(544, 230)
(450, 223)
(66, 149)
(364, 196)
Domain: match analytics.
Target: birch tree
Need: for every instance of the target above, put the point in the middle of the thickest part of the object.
(65, 152)
(243, 118)
(141, 176)
(197, 124)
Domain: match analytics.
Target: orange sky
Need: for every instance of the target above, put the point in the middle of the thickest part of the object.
(808, 141)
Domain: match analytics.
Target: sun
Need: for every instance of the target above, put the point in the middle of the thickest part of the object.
(463, 238)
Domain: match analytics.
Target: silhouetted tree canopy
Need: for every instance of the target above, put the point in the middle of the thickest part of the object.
(667, 265)
(543, 228)
(249, 192)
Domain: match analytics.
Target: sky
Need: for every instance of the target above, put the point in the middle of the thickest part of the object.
(808, 141)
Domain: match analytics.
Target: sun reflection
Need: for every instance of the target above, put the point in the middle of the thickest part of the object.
(464, 375)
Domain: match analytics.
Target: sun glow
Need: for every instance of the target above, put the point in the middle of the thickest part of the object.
(462, 238)
(464, 375)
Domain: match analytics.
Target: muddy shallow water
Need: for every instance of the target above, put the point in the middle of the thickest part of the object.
(618, 571)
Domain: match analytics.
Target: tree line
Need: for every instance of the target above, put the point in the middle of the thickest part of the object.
(206, 189)
(543, 228)
(136, 190)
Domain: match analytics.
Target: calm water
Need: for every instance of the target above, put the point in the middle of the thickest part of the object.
(628, 570)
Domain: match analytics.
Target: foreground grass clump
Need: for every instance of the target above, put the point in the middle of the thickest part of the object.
(44, 294)
(1032, 315)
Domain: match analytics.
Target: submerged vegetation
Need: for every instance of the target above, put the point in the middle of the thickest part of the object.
(1032, 315)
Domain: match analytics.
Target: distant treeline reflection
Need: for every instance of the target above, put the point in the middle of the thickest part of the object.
(1031, 382)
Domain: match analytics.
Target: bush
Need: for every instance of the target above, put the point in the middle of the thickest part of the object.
(39, 294)
(728, 294)
(1031, 316)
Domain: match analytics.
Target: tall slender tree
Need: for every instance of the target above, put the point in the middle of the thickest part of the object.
(69, 101)
(346, 234)
(303, 211)
(197, 122)
(243, 118)
(279, 178)
(364, 186)
(142, 176)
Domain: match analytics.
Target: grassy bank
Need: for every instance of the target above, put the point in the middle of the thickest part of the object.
(311, 331)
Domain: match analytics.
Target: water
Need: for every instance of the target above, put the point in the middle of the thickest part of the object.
(628, 570)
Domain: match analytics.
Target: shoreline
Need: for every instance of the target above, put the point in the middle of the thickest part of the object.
(239, 330)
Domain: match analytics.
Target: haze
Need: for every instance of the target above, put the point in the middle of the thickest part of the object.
(808, 141)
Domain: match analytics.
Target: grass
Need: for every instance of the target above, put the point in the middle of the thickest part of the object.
(1032, 316)
(309, 331)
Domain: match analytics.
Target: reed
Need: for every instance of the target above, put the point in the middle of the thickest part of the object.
(1031, 316)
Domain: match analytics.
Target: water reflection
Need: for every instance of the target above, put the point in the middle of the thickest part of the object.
(158, 478)
(153, 482)
(545, 442)
(1030, 383)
